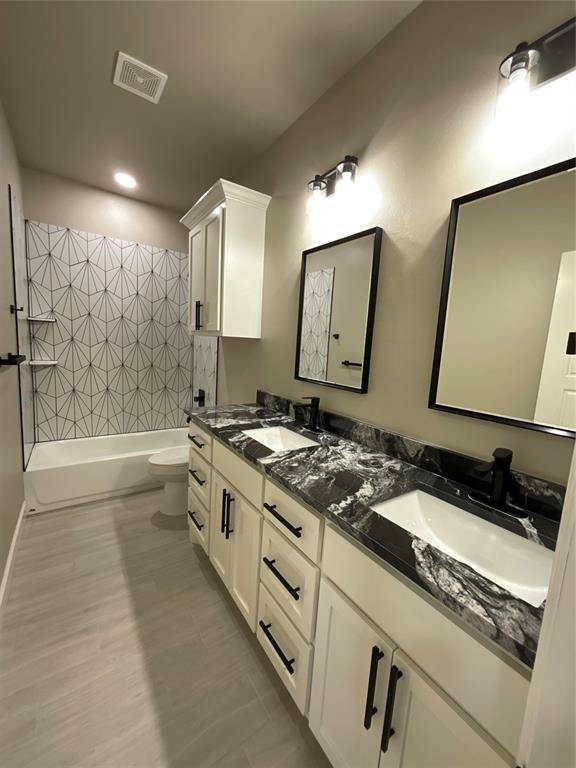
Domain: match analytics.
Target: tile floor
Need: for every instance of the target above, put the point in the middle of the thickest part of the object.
(120, 648)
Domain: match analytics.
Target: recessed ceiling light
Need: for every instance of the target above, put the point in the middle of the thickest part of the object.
(125, 180)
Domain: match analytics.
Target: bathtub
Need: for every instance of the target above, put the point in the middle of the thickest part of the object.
(66, 472)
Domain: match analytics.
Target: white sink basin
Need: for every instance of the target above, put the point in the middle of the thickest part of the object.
(279, 438)
(514, 563)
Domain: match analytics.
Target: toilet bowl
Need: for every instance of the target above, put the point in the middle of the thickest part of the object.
(171, 467)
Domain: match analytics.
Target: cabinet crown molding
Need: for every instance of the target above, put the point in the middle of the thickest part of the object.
(220, 193)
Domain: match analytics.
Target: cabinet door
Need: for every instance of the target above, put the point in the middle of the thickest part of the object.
(245, 526)
(219, 544)
(349, 683)
(214, 239)
(428, 730)
(196, 279)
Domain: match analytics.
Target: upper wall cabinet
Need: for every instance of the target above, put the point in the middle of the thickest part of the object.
(226, 254)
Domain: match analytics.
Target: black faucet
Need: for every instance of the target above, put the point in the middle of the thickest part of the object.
(502, 481)
(314, 413)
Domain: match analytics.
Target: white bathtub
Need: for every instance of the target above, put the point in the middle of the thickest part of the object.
(66, 472)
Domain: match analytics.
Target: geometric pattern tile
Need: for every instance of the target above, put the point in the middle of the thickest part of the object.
(204, 369)
(125, 359)
(316, 317)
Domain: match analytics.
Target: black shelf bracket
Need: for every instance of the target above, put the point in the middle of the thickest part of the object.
(11, 359)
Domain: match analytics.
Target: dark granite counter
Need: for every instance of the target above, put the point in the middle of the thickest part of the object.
(341, 479)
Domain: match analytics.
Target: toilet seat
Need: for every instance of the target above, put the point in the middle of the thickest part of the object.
(169, 462)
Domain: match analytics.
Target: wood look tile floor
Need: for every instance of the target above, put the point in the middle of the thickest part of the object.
(120, 648)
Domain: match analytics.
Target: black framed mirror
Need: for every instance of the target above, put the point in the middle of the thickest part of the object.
(338, 287)
(506, 336)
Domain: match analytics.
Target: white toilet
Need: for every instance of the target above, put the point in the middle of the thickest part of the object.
(171, 466)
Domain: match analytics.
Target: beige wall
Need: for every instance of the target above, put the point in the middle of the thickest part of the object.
(11, 477)
(506, 261)
(54, 200)
(417, 111)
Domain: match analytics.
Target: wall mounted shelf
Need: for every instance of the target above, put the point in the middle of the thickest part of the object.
(42, 363)
(41, 319)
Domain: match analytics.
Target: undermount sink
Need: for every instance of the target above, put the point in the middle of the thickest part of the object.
(518, 565)
(279, 438)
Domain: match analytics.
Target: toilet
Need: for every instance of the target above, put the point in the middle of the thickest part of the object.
(171, 467)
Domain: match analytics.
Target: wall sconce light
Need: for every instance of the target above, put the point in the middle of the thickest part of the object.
(325, 184)
(531, 64)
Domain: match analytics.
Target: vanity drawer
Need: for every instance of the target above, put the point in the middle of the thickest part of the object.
(284, 646)
(301, 527)
(200, 441)
(199, 477)
(247, 480)
(198, 522)
(291, 579)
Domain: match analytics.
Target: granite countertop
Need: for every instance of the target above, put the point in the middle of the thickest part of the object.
(341, 479)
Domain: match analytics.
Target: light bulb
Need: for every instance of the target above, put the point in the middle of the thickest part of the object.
(125, 180)
(314, 204)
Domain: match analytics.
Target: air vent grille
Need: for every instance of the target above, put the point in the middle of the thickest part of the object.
(139, 78)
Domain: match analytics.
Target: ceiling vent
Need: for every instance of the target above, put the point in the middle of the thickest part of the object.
(139, 78)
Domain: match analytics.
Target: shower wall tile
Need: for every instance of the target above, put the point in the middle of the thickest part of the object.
(120, 338)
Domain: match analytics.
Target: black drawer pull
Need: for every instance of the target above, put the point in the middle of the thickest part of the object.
(286, 584)
(197, 306)
(195, 476)
(350, 364)
(281, 655)
(223, 511)
(229, 499)
(295, 531)
(196, 523)
(370, 709)
(196, 443)
(388, 731)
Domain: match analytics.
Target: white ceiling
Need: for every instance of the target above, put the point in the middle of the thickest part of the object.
(239, 74)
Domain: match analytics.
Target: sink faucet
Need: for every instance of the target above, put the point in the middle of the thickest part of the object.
(314, 413)
(501, 480)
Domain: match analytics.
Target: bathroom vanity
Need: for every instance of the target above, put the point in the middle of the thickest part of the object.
(392, 638)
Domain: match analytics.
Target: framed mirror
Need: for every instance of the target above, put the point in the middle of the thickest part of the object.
(506, 337)
(338, 286)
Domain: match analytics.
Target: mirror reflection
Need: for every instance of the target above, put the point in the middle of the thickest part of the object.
(337, 300)
(508, 346)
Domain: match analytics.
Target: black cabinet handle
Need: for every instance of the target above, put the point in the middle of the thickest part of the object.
(15, 308)
(196, 443)
(350, 364)
(281, 655)
(229, 500)
(388, 731)
(286, 584)
(188, 420)
(295, 531)
(223, 512)
(195, 476)
(370, 709)
(196, 523)
(198, 305)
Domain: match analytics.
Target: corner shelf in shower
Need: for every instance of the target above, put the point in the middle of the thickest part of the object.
(42, 363)
(41, 319)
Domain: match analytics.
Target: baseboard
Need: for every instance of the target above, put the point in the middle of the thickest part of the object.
(11, 553)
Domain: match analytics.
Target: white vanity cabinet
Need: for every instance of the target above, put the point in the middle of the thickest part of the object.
(349, 684)
(226, 260)
(372, 707)
(235, 531)
(427, 729)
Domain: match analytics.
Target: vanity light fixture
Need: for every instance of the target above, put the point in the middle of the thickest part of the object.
(125, 180)
(535, 63)
(325, 184)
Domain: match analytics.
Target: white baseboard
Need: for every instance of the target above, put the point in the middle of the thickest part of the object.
(11, 552)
